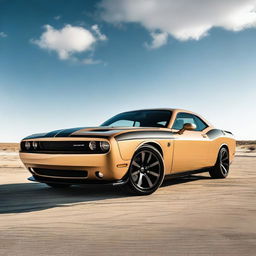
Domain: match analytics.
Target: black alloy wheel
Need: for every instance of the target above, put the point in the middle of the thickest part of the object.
(221, 168)
(146, 171)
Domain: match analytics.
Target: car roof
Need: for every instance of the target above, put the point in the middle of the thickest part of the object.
(168, 109)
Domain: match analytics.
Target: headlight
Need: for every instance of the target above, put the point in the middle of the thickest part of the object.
(92, 145)
(27, 145)
(34, 144)
(104, 146)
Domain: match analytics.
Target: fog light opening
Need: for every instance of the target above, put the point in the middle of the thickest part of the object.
(99, 175)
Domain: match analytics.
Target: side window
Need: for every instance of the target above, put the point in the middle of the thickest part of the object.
(183, 118)
(200, 124)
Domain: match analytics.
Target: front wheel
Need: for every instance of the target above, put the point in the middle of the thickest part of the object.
(146, 171)
(221, 168)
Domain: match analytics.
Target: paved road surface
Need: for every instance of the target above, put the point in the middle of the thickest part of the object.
(190, 216)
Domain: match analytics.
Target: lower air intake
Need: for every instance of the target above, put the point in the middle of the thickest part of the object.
(61, 173)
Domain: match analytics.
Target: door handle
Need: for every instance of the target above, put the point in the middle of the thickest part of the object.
(205, 136)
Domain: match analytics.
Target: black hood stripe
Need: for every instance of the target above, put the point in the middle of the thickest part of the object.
(68, 132)
(56, 133)
(212, 134)
(145, 135)
(90, 136)
(124, 136)
(53, 133)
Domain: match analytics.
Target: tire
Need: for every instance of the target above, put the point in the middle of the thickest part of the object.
(146, 171)
(58, 186)
(221, 168)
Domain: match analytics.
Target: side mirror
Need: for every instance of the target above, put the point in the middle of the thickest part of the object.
(188, 127)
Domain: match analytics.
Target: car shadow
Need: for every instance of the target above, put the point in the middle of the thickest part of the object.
(174, 181)
(30, 197)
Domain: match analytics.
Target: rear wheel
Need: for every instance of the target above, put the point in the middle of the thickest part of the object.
(146, 171)
(221, 168)
(57, 185)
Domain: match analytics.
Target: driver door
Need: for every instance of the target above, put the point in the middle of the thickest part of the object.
(190, 147)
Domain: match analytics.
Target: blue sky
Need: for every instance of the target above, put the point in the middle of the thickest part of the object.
(125, 66)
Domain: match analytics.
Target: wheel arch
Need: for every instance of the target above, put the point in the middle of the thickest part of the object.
(223, 145)
(220, 170)
(153, 144)
(132, 185)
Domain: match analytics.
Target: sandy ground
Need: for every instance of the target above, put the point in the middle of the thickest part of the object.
(189, 216)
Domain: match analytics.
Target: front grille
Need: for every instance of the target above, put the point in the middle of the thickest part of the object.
(61, 173)
(62, 147)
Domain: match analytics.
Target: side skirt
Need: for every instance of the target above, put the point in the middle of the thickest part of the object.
(184, 174)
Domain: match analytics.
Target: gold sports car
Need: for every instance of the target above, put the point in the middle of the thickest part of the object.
(135, 149)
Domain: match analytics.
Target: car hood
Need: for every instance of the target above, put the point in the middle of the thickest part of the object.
(95, 132)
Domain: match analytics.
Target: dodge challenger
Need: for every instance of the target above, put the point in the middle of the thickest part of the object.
(136, 150)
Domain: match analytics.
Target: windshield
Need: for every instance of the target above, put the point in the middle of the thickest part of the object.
(140, 118)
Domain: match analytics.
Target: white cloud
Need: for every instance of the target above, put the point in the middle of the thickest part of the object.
(183, 19)
(3, 35)
(67, 41)
(158, 40)
(99, 35)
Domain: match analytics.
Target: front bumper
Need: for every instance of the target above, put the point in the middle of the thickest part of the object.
(110, 165)
(36, 178)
